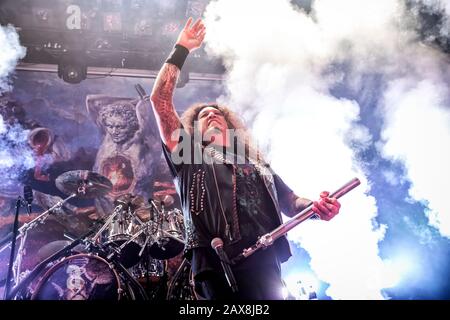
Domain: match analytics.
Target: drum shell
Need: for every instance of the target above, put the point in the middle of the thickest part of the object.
(121, 230)
(83, 277)
(164, 246)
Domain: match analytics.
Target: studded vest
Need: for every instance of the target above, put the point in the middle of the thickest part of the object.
(207, 193)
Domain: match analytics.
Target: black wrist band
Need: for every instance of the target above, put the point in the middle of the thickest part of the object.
(178, 56)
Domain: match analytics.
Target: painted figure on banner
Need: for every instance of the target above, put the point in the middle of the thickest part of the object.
(129, 150)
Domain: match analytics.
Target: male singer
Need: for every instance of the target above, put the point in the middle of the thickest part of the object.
(227, 190)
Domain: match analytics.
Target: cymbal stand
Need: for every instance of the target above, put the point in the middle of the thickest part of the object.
(110, 219)
(39, 219)
(22, 233)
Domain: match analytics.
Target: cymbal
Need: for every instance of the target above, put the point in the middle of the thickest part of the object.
(84, 183)
(53, 247)
(164, 199)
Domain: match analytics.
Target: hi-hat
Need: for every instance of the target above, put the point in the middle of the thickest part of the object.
(83, 183)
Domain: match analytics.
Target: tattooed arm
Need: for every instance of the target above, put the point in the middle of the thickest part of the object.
(190, 38)
(162, 102)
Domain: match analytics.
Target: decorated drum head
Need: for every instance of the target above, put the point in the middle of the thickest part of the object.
(79, 277)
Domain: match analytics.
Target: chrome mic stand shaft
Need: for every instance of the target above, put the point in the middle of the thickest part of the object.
(269, 238)
(13, 248)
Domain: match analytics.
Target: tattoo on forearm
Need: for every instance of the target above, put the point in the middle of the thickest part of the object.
(301, 204)
(162, 97)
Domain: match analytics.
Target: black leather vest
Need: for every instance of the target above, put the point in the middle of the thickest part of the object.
(208, 200)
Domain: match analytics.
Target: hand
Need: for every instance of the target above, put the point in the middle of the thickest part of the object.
(326, 207)
(191, 37)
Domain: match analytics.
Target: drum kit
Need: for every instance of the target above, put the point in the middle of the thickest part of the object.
(109, 261)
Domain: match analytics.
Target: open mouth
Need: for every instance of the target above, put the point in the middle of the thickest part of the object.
(212, 120)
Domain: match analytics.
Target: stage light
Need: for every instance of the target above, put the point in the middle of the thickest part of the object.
(303, 286)
(112, 22)
(102, 44)
(42, 14)
(143, 27)
(72, 70)
(195, 8)
(171, 28)
(137, 4)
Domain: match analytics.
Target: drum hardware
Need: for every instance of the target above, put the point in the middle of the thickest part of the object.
(72, 271)
(168, 231)
(182, 286)
(122, 246)
(147, 239)
(78, 183)
(128, 236)
(166, 200)
(144, 229)
(40, 267)
(39, 219)
(104, 245)
(128, 200)
(123, 234)
(107, 223)
(22, 234)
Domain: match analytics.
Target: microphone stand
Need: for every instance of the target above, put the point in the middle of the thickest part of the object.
(22, 232)
(269, 238)
(19, 203)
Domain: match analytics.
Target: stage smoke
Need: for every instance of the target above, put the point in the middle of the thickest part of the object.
(10, 53)
(15, 153)
(303, 80)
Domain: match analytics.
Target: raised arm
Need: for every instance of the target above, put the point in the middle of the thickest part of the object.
(190, 38)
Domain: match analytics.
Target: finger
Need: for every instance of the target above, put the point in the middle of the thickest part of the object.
(324, 194)
(188, 23)
(319, 212)
(327, 205)
(202, 36)
(333, 208)
(314, 208)
(323, 210)
(333, 201)
(199, 27)
(196, 24)
(200, 30)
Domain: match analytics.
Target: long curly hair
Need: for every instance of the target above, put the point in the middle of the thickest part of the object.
(233, 121)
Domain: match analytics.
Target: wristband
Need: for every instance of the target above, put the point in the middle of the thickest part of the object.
(178, 56)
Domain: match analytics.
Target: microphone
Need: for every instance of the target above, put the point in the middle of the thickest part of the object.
(140, 91)
(217, 245)
(28, 196)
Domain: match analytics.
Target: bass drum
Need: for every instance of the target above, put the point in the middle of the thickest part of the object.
(86, 277)
(182, 285)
